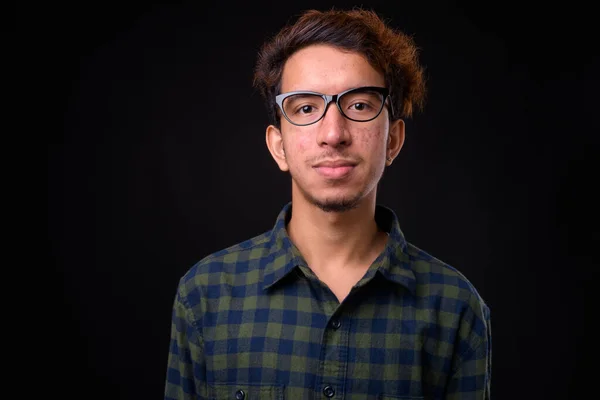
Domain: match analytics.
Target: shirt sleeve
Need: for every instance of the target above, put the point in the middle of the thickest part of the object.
(186, 365)
(472, 378)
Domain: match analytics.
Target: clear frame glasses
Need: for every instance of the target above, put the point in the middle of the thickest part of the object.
(358, 104)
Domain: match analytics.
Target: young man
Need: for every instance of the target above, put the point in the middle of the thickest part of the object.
(333, 302)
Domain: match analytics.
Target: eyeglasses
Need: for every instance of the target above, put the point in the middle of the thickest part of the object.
(359, 104)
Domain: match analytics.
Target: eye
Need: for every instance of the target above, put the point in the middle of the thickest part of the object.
(302, 104)
(360, 106)
(306, 109)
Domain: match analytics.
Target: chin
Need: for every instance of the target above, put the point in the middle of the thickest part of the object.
(337, 206)
(339, 203)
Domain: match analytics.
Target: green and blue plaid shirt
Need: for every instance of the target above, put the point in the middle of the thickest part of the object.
(254, 322)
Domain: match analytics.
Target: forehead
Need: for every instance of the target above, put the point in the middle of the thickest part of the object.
(329, 70)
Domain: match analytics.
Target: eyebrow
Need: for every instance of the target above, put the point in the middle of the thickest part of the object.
(331, 94)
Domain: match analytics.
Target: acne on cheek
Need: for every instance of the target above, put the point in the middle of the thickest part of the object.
(374, 138)
(301, 142)
(367, 135)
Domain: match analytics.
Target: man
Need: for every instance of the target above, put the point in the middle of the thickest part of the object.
(333, 302)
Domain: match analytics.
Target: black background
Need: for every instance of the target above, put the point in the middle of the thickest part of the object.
(161, 160)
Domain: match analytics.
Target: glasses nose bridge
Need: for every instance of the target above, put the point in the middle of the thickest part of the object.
(331, 99)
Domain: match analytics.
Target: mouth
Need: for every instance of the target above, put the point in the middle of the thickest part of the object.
(334, 169)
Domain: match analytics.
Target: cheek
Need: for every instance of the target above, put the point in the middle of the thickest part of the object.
(303, 143)
(373, 139)
(296, 144)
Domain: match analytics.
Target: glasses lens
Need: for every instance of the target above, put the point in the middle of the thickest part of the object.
(304, 109)
(362, 104)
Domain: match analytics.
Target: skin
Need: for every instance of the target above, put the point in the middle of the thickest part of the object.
(332, 221)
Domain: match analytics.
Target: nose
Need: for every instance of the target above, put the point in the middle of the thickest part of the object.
(333, 129)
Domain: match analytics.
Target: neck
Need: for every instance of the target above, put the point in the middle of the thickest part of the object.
(336, 240)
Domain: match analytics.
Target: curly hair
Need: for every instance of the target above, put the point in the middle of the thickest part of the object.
(387, 50)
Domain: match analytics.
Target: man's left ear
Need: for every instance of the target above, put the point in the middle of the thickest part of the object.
(395, 140)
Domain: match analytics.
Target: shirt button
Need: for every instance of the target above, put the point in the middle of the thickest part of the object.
(335, 324)
(240, 395)
(328, 391)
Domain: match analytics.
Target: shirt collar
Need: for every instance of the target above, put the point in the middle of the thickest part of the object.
(393, 263)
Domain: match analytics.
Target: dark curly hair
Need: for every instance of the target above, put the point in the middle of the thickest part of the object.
(389, 51)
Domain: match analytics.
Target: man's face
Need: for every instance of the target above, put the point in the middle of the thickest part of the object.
(334, 163)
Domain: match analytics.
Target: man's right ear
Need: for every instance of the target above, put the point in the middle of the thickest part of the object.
(275, 144)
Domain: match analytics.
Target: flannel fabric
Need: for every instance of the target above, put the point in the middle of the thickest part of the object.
(254, 322)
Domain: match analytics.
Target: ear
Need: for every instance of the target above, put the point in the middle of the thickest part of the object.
(275, 144)
(395, 140)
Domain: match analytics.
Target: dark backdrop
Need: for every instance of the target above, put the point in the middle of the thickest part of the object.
(161, 160)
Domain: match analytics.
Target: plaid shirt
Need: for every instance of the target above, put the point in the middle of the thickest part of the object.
(254, 322)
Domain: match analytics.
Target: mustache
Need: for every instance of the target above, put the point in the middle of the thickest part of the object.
(331, 155)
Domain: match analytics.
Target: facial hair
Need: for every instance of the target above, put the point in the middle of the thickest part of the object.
(338, 205)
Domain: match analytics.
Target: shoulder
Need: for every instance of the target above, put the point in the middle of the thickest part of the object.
(445, 285)
(452, 302)
(222, 266)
